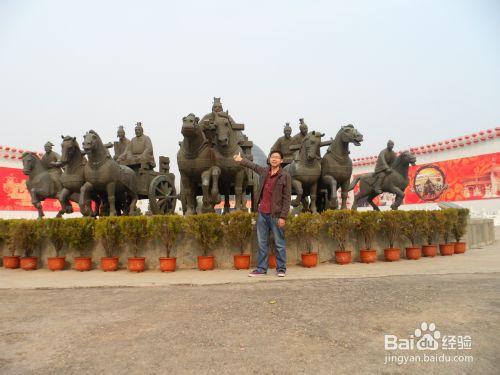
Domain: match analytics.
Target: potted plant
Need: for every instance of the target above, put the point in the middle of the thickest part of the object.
(459, 229)
(56, 233)
(136, 232)
(430, 230)
(166, 228)
(206, 229)
(412, 229)
(26, 235)
(237, 229)
(446, 220)
(390, 223)
(368, 224)
(339, 224)
(108, 230)
(11, 260)
(305, 228)
(80, 232)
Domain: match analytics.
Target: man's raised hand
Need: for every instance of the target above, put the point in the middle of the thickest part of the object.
(237, 158)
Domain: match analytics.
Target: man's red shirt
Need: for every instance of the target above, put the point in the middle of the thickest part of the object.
(267, 193)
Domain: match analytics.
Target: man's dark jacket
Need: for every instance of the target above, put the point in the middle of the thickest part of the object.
(282, 193)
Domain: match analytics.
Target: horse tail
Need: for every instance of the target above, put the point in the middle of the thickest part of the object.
(354, 183)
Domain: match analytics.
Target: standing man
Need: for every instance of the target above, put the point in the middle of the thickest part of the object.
(275, 192)
(283, 144)
(383, 166)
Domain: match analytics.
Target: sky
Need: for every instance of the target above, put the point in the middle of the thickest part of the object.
(413, 71)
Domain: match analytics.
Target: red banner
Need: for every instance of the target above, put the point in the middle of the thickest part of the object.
(14, 195)
(472, 178)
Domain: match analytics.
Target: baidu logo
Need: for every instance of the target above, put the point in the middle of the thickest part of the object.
(424, 338)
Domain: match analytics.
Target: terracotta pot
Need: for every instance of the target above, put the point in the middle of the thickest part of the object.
(206, 263)
(429, 250)
(29, 263)
(446, 249)
(168, 264)
(11, 261)
(309, 259)
(459, 247)
(242, 261)
(392, 254)
(272, 261)
(109, 263)
(56, 263)
(343, 257)
(82, 263)
(368, 255)
(413, 253)
(136, 264)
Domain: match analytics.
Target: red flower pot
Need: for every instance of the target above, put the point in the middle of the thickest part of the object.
(242, 261)
(413, 253)
(343, 257)
(168, 264)
(109, 264)
(82, 263)
(459, 247)
(392, 254)
(309, 259)
(446, 249)
(206, 263)
(429, 250)
(11, 261)
(272, 261)
(136, 264)
(56, 263)
(368, 255)
(29, 263)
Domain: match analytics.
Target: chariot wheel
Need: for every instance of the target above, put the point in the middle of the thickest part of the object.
(162, 196)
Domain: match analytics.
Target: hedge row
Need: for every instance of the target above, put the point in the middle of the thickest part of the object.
(235, 229)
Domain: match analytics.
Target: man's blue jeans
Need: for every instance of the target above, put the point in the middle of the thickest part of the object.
(265, 224)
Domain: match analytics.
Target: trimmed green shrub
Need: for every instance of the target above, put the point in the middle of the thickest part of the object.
(304, 228)
(413, 225)
(206, 229)
(108, 230)
(166, 228)
(237, 229)
(445, 221)
(391, 225)
(136, 231)
(80, 232)
(368, 224)
(56, 231)
(4, 231)
(461, 224)
(339, 224)
(430, 226)
(26, 235)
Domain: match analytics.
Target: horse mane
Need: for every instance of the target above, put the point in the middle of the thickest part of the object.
(399, 159)
(26, 153)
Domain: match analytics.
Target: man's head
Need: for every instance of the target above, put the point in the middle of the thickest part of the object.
(48, 147)
(138, 129)
(217, 106)
(287, 130)
(390, 145)
(275, 158)
(120, 133)
(302, 127)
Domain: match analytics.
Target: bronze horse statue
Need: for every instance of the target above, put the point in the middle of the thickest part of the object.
(336, 167)
(41, 185)
(73, 162)
(306, 171)
(106, 178)
(229, 174)
(196, 161)
(395, 183)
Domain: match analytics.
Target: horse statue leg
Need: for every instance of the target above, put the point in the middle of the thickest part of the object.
(331, 185)
(372, 196)
(399, 197)
(63, 201)
(238, 190)
(84, 201)
(344, 193)
(205, 188)
(297, 186)
(215, 185)
(313, 194)
(187, 187)
(36, 202)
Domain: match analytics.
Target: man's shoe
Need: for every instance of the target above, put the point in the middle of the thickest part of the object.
(256, 273)
(281, 273)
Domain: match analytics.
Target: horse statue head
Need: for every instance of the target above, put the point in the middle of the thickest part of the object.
(311, 145)
(404, 159)
(190, 125)
(349, 134)
(91, 141)
(69, 146)
(30, 162)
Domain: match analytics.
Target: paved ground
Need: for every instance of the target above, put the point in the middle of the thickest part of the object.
(329, 320)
